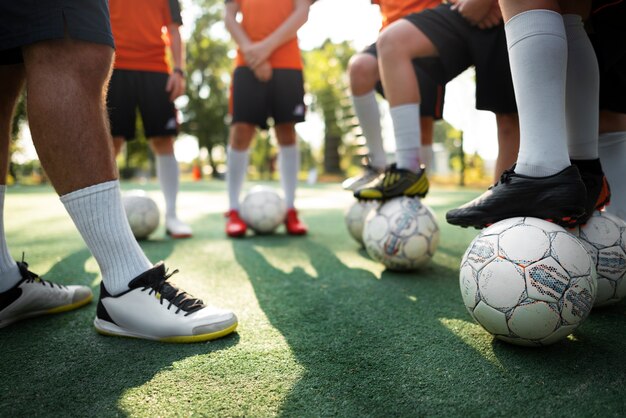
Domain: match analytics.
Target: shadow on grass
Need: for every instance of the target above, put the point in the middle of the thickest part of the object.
(60, 366)
(404, 345)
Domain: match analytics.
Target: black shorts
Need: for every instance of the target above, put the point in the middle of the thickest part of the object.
(129, 90)
(254, 101)
(431, 92)
(608, 36)
(461, 45)
(25, 22)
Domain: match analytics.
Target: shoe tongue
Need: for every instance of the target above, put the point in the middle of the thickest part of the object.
(149, 278)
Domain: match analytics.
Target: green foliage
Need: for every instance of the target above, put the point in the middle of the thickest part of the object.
(209, 69)
(327, 82)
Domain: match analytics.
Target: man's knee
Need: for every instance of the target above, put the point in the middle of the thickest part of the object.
(363, 72)
(162, 145)
(241, 136)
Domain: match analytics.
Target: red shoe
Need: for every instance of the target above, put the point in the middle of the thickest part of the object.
(235, 226)
(293, 224)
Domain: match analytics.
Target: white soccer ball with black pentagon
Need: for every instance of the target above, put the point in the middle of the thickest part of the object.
(528, 281)
(142, 213)
(355, 217)
(263, 209)
(604, 237)
(402, 234)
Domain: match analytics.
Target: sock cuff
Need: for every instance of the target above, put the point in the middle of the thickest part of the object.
(610, 139)
(236, 152)
(532, 23)
(365, 98)
(91, 190)
(410, 111)
(166, 157)
(288, 148)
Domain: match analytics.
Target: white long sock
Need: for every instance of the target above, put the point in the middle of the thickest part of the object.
(538, 56)
(612, 148)
(289, 166)
(582, 93)
(168, 174)
(9, 273)
(236, 174)
(368, 113)
(408, 133)
(98, 214)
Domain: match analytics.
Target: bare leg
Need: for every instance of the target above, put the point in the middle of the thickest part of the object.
(508, 141)
(66, 109)
(118, 143)
(11, 84)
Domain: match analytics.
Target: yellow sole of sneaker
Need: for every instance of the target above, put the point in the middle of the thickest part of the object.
(183, 339)
(71, 306)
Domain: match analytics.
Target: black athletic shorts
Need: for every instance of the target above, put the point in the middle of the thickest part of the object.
(461, 45)
(608, 35)
(431, 92)
(129, 90)
(281, 98)
(25, 22)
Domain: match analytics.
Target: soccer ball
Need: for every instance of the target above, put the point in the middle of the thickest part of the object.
(527, 281)
(142, 213)
(604, 237)
(263, 209)
(402, 234)
(355, 217)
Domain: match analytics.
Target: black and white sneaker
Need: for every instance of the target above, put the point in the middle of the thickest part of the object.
(34, 296)
(155, 309)
(559, 198)
(369, 175)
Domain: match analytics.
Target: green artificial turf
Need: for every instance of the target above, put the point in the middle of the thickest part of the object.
(324, 330)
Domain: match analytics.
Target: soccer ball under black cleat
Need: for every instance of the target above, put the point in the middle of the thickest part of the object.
(559, 198)
(395, 183)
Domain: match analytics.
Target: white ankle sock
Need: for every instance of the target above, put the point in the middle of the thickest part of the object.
(236, 174)
(98, 214)
(408, 133)
(538, 56)
(612, 148)
(168, 173)
(289, 166)
(582, 94)
(368, 113)
(9, 273)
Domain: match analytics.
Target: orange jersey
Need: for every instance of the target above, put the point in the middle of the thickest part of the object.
(393, 10)
(138, 31)
(260, 18)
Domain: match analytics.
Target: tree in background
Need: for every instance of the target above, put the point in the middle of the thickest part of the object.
(209, 71)
(326, 81)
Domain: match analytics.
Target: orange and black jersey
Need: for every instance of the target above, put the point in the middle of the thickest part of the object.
(392, 10)
(260, 18)
(138, 31)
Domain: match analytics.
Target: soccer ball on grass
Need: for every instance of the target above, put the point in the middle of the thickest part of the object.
(142, 213)
(263, 209)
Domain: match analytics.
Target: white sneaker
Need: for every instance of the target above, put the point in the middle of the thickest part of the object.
(33, 296)
(369, 175)
(155, 309)
(176, 228)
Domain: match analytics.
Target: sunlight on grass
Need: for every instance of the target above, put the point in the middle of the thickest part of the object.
(474, 336)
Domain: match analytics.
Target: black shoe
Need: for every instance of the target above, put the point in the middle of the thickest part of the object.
(369, 175)
(559, 198)
(598, 190)
(396, 182)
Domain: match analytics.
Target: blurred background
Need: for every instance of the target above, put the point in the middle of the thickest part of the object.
(332, 147)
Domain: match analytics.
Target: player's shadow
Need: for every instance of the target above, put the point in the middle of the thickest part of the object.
(77, 368)
(352, 332)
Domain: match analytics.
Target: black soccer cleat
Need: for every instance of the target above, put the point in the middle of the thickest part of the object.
(598, 190)
(395, 183)
(559, 198)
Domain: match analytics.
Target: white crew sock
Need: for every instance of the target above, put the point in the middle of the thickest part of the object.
(289, 166)
(613, 159)
(237, 164)
(168, 174)
(9, 273)
(582, 94)
(98, 214)
(368, 113)
(428, 157)
(538, 56)
(408, 133)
